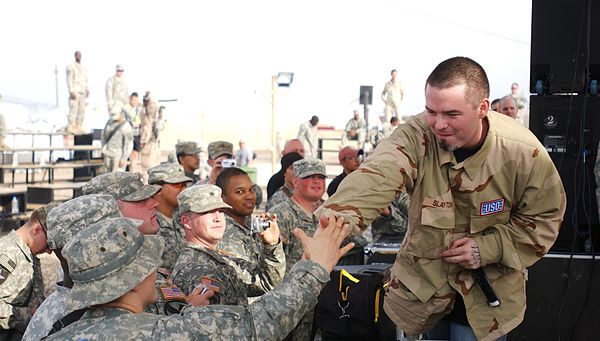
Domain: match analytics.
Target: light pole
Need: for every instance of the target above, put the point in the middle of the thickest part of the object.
(283, 79)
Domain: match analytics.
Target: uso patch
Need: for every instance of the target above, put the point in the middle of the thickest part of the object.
(491, 207)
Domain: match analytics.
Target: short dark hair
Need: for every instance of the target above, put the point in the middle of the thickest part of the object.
(393, 120)
(461, 71)
(134, 94)
(227, 173)
(393, 70)
(497, 100)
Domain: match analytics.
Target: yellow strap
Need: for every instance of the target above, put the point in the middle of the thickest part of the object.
(346, 274)
(377, 305)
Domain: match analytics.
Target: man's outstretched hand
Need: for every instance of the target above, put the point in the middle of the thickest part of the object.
(324, 247)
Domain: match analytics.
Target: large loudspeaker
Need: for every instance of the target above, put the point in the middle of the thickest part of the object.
(569, 128)
(562, 33)
(86, 173)
(563, 300)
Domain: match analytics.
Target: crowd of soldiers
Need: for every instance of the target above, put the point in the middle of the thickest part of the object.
(171, 255)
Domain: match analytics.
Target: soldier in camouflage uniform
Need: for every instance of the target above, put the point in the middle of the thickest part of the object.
(117, 94)
(356, 130)
(308, 135)
(64, 222)
(309, 187)
(285, 192)
(152, 122)
(172, 180)
(392, 96)
(240, 241)
(483, 193)
(3, 145)
(136, 201)
(124, 259)
(77, 85)
(188, 156)
(204, 223)
(20, 293)
(217, 152)
(117, 141)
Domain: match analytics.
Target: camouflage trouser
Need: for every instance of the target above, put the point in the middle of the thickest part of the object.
(303, 330)
(77, 109)
(360, 137)
(392, 110)
(150, 155)
(112, 164)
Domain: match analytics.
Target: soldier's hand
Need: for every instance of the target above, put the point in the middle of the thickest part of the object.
(198, 300)
(270, 236)
(324, 247)
(72, 95)
(122, 163)
(463, 251)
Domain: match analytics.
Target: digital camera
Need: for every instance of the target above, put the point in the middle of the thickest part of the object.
(228, 163)
(259, 224)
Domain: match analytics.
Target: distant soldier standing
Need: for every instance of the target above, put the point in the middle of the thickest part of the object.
(117, 141)
(308, 135)
(392, 96)
(116, 90)
(3, 146)
(151, 125)
(77, 84)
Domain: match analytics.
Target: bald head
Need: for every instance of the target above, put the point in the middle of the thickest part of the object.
(508, 106)
(293, 145)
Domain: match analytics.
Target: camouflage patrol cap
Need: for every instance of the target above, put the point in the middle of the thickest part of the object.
(170, 173)
(42, 213)
(200, 199)
(66, 220)
(187, 148)
(108, 259)
(307, 167)
(120, 67)
(124, 186)
(218, 148)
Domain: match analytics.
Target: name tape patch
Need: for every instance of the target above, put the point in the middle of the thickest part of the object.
(491, 207)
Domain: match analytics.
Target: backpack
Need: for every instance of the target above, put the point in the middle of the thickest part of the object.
(350, 307)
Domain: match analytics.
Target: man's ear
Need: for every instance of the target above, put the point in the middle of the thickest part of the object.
(210, 162)
(185, 221)
(484, 106)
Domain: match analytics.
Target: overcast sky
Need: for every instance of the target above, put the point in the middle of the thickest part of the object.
(217, 57)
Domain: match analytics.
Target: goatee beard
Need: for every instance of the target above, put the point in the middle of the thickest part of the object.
(446, 147)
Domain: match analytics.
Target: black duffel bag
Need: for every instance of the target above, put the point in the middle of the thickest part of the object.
(350, 307)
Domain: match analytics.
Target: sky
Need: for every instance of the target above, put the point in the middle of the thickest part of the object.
(217, 57)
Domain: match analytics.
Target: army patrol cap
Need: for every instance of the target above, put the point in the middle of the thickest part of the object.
(187, 148)
(124, 186)
(307, 167)
(108, 259)
(66, 220)
(170, 173)
(42, 213)
(218, 148)
(200, 199)
(119, 67)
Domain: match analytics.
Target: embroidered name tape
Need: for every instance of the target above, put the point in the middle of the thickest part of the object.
(491, 207)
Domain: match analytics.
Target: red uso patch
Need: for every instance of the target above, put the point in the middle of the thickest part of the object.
(491, 207)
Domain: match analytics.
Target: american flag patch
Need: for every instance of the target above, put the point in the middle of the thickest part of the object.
(172, 293)
(491, 207)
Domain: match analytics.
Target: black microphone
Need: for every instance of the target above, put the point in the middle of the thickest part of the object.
(486, 287)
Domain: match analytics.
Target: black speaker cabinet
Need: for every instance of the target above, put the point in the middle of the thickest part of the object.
(563, 299)
(569, 128)
(562, 33)
(86, 173)
(366, 95)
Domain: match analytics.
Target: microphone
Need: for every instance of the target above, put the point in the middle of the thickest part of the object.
(486, 287)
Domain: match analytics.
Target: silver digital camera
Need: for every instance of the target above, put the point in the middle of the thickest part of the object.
(228, 163)
(259, 224)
